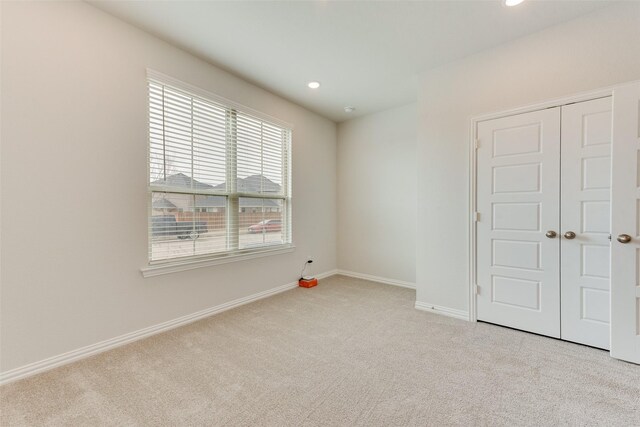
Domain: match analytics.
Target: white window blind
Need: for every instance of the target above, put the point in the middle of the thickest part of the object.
(219, 177)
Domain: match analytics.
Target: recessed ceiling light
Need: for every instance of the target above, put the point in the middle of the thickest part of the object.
(313, 85)
(349, 109)
(512, 2)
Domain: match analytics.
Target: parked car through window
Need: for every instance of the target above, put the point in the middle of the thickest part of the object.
(266, 226)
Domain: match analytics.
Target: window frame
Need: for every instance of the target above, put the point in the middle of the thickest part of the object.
(233, 252)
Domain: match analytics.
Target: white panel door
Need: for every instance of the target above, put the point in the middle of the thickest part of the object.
(625, 245)
(518, 202)
(585, 224)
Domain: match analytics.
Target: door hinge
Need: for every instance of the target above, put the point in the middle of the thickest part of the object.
(476, 216)
(476, 144)
(476, 289)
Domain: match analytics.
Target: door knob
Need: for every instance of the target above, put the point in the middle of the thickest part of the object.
(551, 234)
(624, 238)
(569, 235)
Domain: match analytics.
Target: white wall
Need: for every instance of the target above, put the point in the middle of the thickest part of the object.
(377, 194)
(74, 184)
(594, 51)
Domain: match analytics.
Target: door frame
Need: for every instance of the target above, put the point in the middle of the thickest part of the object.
(473, 170)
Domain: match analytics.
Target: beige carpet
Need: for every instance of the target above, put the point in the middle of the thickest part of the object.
(349, 352)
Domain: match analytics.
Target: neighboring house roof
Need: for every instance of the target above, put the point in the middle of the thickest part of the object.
(251, 184)
(181, 180)
(258, 183)
(163, 204)
(245, 202)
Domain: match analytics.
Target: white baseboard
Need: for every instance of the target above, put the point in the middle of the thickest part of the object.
(445, 311)
(325, 274)
(379, 279)
(93, 349)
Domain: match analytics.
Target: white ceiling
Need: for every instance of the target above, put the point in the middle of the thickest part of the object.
(365, 54)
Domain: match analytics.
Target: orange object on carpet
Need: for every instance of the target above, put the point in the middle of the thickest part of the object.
(308, 283)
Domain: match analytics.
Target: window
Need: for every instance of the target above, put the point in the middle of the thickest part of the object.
(219, 176)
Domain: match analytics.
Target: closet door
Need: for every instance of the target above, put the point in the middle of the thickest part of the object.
(585, 222)
(518, 203)
(625, 246)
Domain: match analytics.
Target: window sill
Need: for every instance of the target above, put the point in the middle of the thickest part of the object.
(184, 265)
